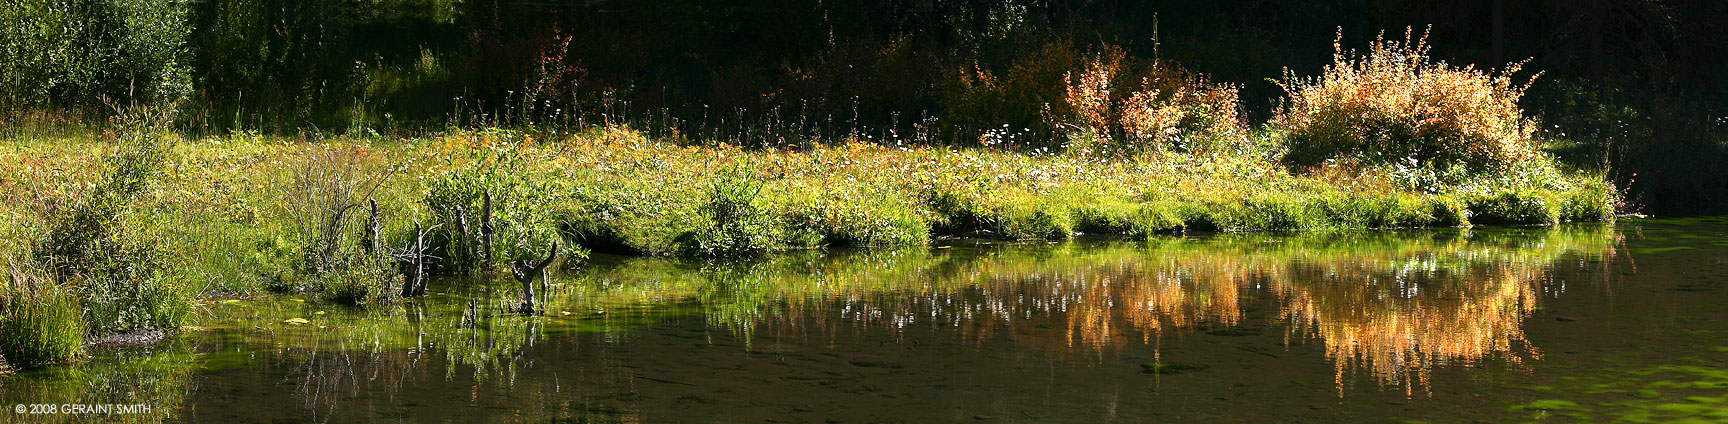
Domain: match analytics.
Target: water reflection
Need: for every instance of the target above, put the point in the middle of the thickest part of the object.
(156, 378)
(1391, 306)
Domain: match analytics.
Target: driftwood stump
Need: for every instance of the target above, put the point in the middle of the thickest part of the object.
(372, 223)
(486, 230)
(528, 273)
(414, 263)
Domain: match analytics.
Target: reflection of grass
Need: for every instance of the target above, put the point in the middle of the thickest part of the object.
(1393, 304)
(1653, 250)
(467, 326)
(158, 377)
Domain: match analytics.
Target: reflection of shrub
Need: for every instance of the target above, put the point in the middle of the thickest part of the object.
(40, 322)
(1396, 105)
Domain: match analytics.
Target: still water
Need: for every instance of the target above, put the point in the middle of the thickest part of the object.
(1510, 324)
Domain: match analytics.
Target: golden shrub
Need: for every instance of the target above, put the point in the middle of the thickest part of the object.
(1165, 107)
(1395, 104)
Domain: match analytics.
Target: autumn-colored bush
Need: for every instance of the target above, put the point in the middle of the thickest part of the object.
(1008, 106)
(1116, 104)
(1396, 105)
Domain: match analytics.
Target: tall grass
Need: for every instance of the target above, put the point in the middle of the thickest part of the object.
(91, 243)
(41, 323)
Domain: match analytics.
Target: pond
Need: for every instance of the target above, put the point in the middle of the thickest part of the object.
(1496, 324)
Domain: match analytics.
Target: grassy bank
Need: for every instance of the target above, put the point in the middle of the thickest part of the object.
(228, 204)
(118, 226)
(227, 216)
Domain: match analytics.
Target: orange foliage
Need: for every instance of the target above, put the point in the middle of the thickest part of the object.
(1169, 108)
(1396, 104)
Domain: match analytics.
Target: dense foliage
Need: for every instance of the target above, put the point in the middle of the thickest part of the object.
(1394, 104)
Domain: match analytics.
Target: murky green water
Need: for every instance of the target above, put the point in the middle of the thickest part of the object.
(1579, 322)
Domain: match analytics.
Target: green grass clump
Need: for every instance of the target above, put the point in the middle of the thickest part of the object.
(520, 202)
(360, 285)
(1017, 214)
(1518, 207)
(848, 216)
(734, 219)
(1104, 216)
(41, 323)
(1032, 217)
(1155, 218)
(1590, 201)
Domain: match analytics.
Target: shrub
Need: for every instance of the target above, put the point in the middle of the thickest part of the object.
(39, 320)
(1395, 105)
(81, 231)
(1168, 108)
(1513, 207)
(330, 203)
(492, 186)
(78, 53)
(91, 245)
(1009, 106)
(734, 220)
(132, 290)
